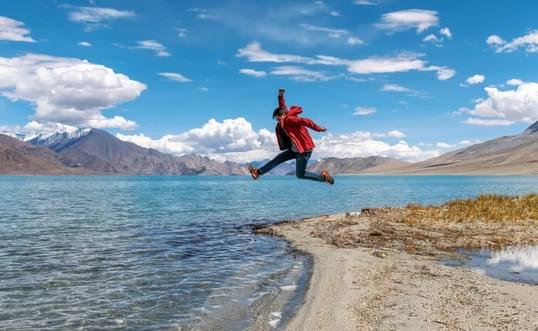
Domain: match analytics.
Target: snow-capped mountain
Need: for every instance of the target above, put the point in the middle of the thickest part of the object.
(57, 141)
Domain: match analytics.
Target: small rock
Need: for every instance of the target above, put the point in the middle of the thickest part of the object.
(379, 254)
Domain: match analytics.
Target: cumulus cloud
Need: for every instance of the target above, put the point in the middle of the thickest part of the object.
(405, 61)
(174, 76)
(236, 140)
(395, 134)
(361, 111)
(13, 30)
(154, 46)
(252, 72)
(97, 17)
(514, 82)
(529, 42)
(84, 44)
(402, 20)
(506, 107)
(69, 91)
(475, 79)
(231, 139)
(363, 144)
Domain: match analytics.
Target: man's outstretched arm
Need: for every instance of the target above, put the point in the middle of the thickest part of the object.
(282, 100)
(306, 122)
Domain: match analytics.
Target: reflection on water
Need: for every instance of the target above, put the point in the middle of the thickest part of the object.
(515, 264)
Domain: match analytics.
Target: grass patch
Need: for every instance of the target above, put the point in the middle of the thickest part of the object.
(484, 208)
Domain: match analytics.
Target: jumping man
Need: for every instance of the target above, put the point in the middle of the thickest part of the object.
(295, 142)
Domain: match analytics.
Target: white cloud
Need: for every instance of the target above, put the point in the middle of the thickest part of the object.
(446, 32)
(366, 2)
(13, 30)
(331, 33)
(300, 74)
(529, 42)
(399, 63)
(231, 139)
(475, 79)
(354, 41)
(334, 13)
(84, 44)
(154, 46)
(443, 73)
(236, 140)
(507, 107)
(97, 17)
(361, 111)
(495, 40)
(402, 20)
(395, 88)
(431, 38)
(249, 19)
(363, 144)
(252, 72)
(395, 134)
(514, 82)
(444, 145)
(202, 88)
(45, 128)
(402, 62)
(254, 53)
(487, 122)
(69, 91)
(176, 77)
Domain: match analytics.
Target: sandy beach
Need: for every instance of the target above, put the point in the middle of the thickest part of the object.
(374, 271)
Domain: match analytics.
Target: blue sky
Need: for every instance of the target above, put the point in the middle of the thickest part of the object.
(407, 79)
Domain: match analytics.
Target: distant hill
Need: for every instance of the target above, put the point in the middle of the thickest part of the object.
(201, 165)
(19, 157)
(358, 165)
(517, 154)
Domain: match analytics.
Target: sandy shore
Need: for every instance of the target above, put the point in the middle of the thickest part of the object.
(385, 282)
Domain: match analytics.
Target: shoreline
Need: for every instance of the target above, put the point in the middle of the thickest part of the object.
(371, 287)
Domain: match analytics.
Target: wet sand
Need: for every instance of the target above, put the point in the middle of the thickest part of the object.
(374, 271)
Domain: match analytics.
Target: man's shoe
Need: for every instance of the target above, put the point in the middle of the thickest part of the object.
(254, 172)
(327, 178)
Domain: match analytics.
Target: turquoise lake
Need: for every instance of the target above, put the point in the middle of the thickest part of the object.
(170, 252)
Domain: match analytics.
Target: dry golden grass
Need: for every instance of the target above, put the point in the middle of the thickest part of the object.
(488, 221)
(484, 208)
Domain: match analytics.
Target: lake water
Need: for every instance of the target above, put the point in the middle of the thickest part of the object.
(172, 252)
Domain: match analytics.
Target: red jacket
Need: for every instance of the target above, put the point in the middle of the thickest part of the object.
(293, 128)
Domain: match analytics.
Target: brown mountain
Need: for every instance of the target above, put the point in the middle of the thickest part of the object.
(200, 165)
(18, 157)
(517, 154)
(358, 165)
(101, 152)
(93, 151)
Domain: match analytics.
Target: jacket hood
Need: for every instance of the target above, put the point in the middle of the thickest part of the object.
(295, 110)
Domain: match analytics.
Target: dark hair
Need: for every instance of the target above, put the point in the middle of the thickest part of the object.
(278, 111)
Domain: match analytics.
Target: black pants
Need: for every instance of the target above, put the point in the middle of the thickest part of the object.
(301, 160)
